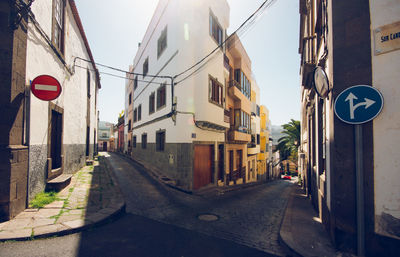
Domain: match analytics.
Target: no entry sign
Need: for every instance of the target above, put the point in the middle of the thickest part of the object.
(46, 88)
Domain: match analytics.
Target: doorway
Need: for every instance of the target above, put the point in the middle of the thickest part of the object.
(203, 156)
(56, 140)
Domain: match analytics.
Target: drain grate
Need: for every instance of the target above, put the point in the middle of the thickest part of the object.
(208, 217)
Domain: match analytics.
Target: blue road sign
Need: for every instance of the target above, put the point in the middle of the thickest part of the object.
(358, 104)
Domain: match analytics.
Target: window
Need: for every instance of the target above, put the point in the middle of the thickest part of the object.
(215, 88)
(215, 29)
(162, 42)
(161, 96)
(135, 115)
(144, 141)
(258, 139)
(135, 83)
(258, 111)
(160, 141)
(134, 141)
(88, 82)
(130, 98)
(58, 24)
(145, 67)
(129, 125)
(245, 85)
(139, 112)
(242, 121)
(152, 99)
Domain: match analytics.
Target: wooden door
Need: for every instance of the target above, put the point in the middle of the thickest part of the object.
(203, 156)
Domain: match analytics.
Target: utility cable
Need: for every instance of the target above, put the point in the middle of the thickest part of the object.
(270, 2)
(122, 77)
(241, 29)
(124, 71)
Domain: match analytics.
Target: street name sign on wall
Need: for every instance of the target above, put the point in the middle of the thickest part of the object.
(387, 38)
(45, 88)
(358, 104)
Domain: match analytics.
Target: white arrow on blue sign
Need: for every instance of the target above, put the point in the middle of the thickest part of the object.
(358, 104)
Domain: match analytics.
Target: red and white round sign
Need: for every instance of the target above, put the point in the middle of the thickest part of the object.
(46, 87)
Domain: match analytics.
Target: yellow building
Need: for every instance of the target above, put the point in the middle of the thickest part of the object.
(264, 140)
(253, 148)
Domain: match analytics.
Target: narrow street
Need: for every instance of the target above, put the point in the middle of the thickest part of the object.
(161, 221)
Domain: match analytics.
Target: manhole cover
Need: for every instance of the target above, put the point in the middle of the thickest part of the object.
(207, 217)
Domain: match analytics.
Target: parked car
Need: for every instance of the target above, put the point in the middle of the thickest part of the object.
(287, 177)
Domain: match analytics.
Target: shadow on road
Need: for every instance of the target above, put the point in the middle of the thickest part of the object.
(135, 235)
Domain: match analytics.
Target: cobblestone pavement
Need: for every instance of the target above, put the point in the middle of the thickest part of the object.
(250, 216)
(161, 221)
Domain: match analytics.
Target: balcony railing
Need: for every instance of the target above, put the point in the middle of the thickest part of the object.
(237, 135)
(235, 84)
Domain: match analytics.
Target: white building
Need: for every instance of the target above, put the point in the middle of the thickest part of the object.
(61, 134)
(180, 130)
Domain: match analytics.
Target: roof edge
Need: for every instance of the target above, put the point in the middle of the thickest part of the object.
(82, 31)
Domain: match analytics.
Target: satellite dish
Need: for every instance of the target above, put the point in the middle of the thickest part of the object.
(321, 83)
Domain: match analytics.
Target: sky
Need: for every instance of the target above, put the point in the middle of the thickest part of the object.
(114, 29)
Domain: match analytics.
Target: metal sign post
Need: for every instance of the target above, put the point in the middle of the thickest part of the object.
(358, 143)
(357, 105)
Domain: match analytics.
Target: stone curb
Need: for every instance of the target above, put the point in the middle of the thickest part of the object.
(103, 216)
(285, 239)
(105, 219)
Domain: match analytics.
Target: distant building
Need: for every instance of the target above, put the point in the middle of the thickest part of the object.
(104, 136)
(41, 140)
(355, 43)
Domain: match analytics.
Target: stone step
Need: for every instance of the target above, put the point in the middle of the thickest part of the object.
(59, 182)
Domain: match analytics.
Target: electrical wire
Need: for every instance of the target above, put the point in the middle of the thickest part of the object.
(250, 21)
(118, 76)
(121, 70)
(261, 8)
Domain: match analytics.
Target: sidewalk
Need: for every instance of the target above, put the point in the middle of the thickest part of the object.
(92, 197)
(301, 230)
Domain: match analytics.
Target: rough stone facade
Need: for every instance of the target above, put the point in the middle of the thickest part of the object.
(179, 167)
(13, 152)
(37, 169)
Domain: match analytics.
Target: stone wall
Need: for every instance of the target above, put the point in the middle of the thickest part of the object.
(37, 170)
(175, 162)
(13, 152)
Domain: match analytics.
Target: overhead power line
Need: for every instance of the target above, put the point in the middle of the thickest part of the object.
(122, 77)
(240, 30)
(121, 70)
(263, 6)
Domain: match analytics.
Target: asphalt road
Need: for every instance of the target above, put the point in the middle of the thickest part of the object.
(161, 221)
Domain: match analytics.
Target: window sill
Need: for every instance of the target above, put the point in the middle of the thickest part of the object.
(161, 107)
(215, 103)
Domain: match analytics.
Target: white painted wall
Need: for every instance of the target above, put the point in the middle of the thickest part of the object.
(188, 41)
(41, 59)
(386, 78)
